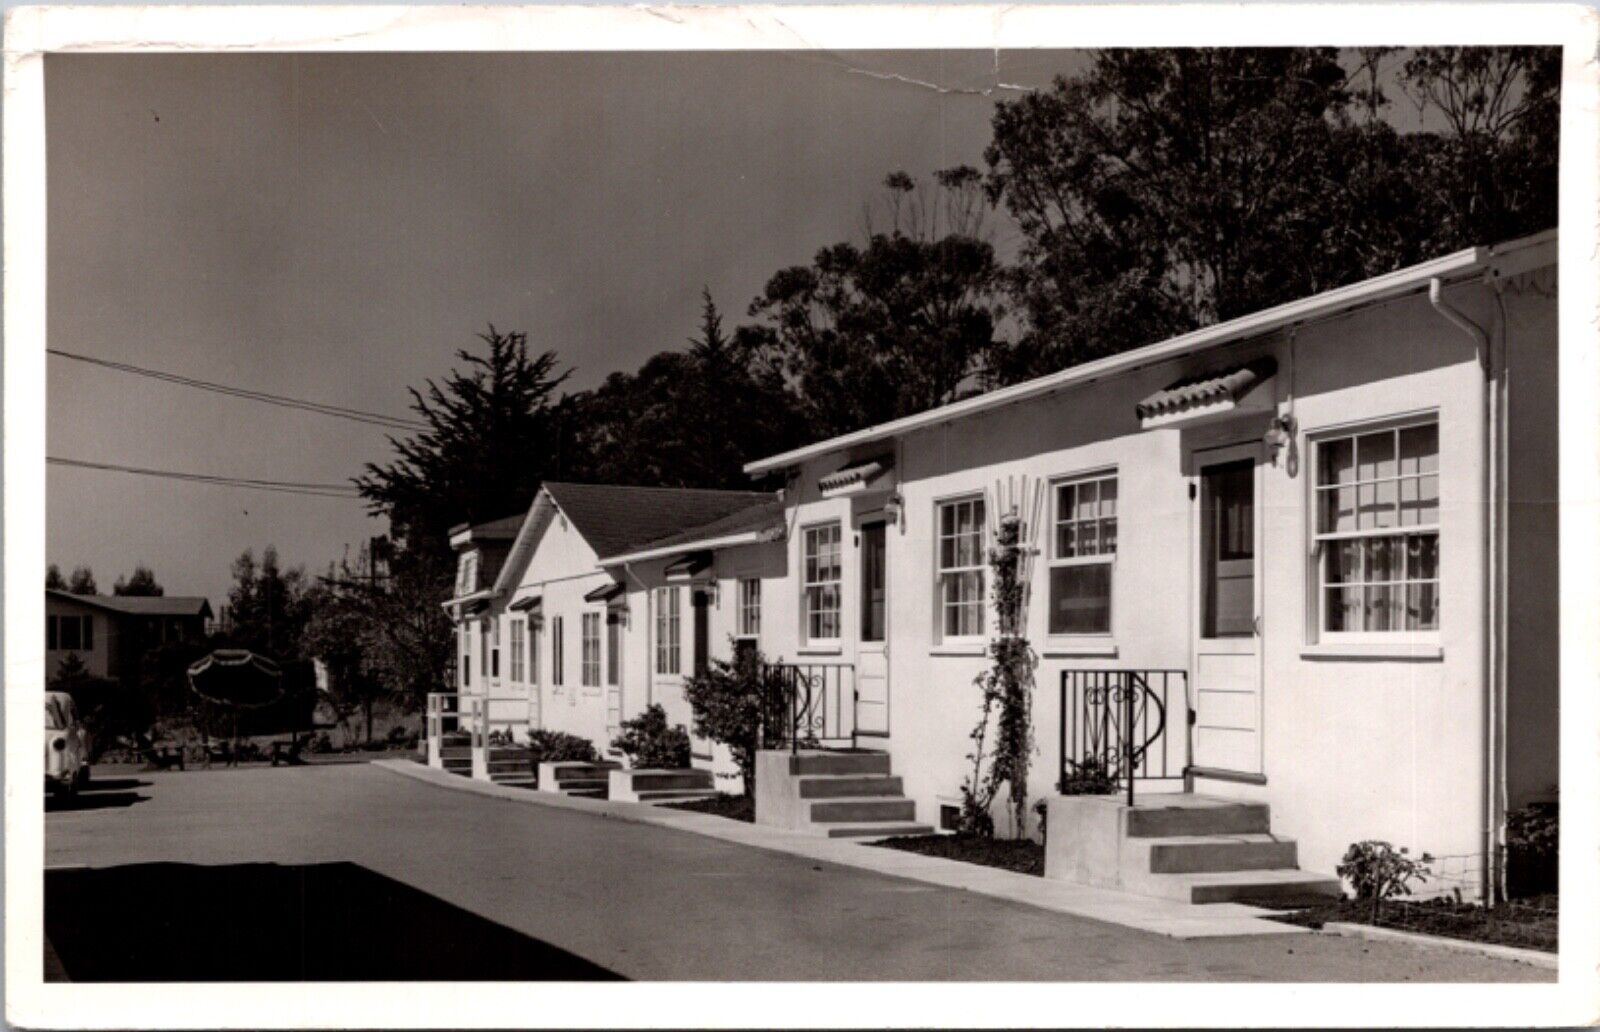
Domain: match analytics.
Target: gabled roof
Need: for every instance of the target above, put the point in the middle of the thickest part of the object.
(141, 605)
(617, 519)
(503, 529)
(766, 515)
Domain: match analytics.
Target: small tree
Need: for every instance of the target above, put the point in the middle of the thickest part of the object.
(53, 581)
(143, 582)
(649, 741)
(734, 703)
(1378, 871)
(82, 582)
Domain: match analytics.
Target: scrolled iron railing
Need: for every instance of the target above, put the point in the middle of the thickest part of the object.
(811, 705)
(1122, 723)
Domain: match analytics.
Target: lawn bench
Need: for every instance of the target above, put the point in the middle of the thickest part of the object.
(287, 753)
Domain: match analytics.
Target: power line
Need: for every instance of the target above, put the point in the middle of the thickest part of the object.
(320, 490)
(337, 411)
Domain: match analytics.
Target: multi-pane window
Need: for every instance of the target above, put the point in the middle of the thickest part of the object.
(467, 574)
(749, 607)
(69, 632)
(518, 653)
(494, 647)
(668, 651)
(1378, 530)
(1083, 548)
(590, 671)
(558, 673)
(961, 568)
(823, 572)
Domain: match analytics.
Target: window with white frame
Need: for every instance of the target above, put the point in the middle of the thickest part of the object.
(821, 587)
(467, 574)
(558, 673)
(1377, 530)
(961, 571)
(749, 607)
(494, 647)
(518, 651)
(668, 621)
(590, 671)
(1083, 551)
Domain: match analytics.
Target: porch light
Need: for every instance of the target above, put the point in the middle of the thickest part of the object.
(1279, 432)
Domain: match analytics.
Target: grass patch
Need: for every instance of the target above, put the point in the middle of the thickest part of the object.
(1525, 923)
(1023, 856)
(733, 807)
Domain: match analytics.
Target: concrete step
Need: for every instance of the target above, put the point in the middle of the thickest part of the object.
(644, 781)
(863, 809)
(585, 771)
(1236, 886)
(455, 752)
(511, 779)
(1193, 854)
(839, 763)
(834, 786)
(509, 752)
(587, 793)
(675, 795)
(1197, 815)
(876, 829)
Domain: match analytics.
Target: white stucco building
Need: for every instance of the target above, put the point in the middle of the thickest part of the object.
(1322, 535)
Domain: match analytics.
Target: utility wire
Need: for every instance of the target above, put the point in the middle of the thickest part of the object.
(337, 411)
(282, 486)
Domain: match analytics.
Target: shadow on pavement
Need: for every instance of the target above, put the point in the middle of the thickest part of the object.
(98, 796)
(169, 922)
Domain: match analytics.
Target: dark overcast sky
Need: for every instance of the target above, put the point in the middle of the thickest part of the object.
(335, 226)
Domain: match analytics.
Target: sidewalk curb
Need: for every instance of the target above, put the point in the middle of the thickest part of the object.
(1142, 913)
(1537, 958)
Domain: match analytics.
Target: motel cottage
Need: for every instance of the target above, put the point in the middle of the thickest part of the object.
(1302, 563)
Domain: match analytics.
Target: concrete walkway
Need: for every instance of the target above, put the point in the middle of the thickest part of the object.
(1162, 916)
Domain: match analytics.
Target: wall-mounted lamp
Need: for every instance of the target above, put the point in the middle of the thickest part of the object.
(892, 507)
(1280, 432)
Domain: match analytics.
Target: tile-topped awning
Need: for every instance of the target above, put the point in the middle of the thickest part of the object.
(605, 593)
(1216, 393)
(688, 566)
(855, 477)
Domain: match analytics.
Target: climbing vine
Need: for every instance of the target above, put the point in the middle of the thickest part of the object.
(1002, 740)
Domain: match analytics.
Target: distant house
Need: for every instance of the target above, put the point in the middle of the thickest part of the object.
(109, 633)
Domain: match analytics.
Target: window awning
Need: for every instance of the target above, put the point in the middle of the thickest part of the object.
(606, 593)
(855, 477)
(688, 566)
(1219, 393)
(474, 607)
(526, 604)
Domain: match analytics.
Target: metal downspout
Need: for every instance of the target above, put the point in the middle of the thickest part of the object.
(1489, 879)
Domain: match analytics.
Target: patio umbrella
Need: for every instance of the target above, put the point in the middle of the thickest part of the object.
(238, 679)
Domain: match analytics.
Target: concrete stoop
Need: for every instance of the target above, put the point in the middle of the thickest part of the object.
(648, 785)
(576, 778)
(509, 765)
(1191, 848)
(833, 794)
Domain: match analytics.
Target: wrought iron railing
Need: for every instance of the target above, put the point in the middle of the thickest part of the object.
(1127, 725)
(811, 705)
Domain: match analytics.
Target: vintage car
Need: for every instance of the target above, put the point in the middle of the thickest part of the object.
(66, 746)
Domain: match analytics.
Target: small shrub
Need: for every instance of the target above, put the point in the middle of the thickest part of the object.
(398, 735)
(1089, 777)
(740, 704)
(1533, 837)
(321, 743)
(559, 747)
(1377, 871)
(650, 742)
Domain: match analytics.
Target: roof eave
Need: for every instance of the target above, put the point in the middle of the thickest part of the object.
(747, 537)
(1355, 295)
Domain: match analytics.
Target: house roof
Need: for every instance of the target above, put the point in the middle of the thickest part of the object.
(615, 519)
(503, 529)
(766, 516)
(142, 605)
(1521, 254)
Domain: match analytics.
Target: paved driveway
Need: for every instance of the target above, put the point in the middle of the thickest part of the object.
(353, 872)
